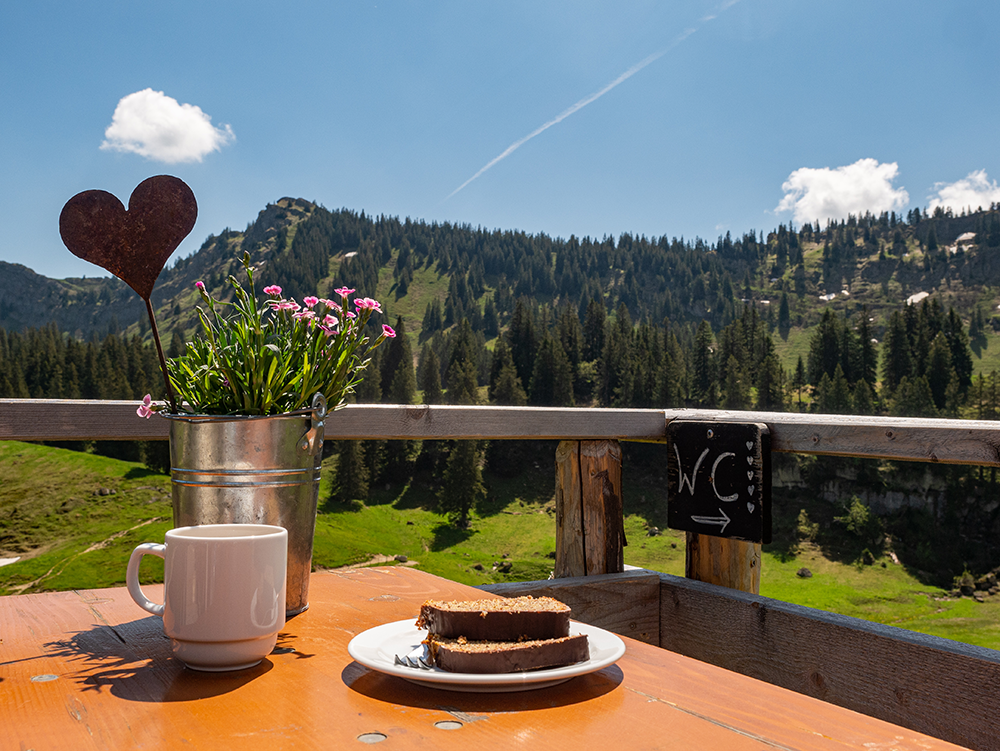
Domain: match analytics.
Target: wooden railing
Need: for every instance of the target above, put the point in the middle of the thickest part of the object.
(936, 686)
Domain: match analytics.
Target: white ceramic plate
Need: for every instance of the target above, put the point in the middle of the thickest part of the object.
(377, 647)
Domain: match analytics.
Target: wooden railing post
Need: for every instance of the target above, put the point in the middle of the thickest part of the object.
(590, 533)
(728, 563)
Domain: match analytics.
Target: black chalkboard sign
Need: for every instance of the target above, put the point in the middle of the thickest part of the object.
(719, 479)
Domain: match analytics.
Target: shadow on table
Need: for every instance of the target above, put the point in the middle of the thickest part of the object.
(389, 688)
(133, 661)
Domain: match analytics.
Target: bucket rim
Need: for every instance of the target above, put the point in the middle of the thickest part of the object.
(192, 417)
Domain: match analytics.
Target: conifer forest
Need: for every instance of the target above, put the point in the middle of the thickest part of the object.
(827, 319)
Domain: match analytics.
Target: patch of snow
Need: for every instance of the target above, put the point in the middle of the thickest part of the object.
(918, 297)
(827, 298)
(8, 561)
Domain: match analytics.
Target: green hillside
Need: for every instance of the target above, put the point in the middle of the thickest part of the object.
(623, 322)
(72, 540)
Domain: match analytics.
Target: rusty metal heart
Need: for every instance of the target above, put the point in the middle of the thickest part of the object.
(132, 244)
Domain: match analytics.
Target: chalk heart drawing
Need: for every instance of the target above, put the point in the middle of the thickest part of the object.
(134, 244)
(749, 460)
(750, 507)
(751, 488)
(749, 474)
(749, 445)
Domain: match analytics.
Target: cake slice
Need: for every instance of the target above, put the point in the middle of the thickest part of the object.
(496, 619)
(463, 656)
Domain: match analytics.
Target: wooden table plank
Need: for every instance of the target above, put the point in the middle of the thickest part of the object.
(89, 670)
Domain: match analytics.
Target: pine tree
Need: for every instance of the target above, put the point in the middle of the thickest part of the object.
(932, 241)
(594, 330)
(463, 371)
(351, 478)
(703, 383)
(958, 345)
(505, 386)
(913, 398)
(552, 378)
(866, 368)
(770, 384)
(462, 486)
(616, 364)
(430, 372)
(735, 389)
(671, 385)
(939, 370)
(522, 339)
(799, 381)
(506, 458)
(839, 397)
(402, 389)
(897, 362)
(825, 350)
(863, 399)
(952, 398)
(491, 321)
(784, 313)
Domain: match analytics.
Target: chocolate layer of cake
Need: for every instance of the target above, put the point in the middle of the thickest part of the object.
(461, 656)
(498, 619)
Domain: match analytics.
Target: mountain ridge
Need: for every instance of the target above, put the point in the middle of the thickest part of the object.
(878, 261)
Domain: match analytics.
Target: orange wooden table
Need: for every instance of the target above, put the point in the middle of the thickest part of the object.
(90, 670)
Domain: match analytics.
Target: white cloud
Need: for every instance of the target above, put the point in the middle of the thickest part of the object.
(156, 126)
(833, 193)
(971, 192)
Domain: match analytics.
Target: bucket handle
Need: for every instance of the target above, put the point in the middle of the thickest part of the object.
(312, 441)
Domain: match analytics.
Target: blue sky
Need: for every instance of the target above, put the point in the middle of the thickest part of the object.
(685, 118)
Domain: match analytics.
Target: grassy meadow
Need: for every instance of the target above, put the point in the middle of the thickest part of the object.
(74, 518)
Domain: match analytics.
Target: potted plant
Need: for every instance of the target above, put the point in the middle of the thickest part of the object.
(252, 392)
(248, 398)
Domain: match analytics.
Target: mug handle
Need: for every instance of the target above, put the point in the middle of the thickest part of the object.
(132, 576)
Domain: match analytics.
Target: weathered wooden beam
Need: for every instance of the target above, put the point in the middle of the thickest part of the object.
(570, 557)
(936, 686)
(627, 603)
(74, 419)
(77, 420)
(589, 516)
(876, 437)
(603, 514)
(900, 438)
(719, 560)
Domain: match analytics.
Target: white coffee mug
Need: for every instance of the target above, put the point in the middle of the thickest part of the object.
(223, 592)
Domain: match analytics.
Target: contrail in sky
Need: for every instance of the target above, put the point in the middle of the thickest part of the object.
(595, 96)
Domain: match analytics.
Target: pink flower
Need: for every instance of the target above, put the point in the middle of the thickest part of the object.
(366, 302)
(327, 303)
(145, 409)
(344, 291)
(349, 314)
(387, 331)
(330, 321)
(304, 315)
(274, 289)
(200, 285)
(310, 301)
(289, 305)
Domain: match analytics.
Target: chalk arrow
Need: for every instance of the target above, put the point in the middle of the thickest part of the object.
(722, 521)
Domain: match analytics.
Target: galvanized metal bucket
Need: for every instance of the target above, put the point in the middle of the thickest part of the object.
(253, 470)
